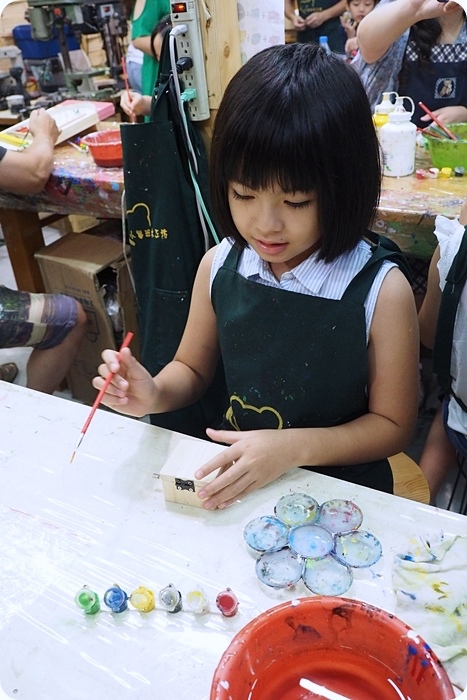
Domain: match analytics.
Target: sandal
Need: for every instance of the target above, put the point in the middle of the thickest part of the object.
(8, 372)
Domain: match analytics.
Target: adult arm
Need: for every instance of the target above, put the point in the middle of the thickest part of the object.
(26, 172)
(388, 21)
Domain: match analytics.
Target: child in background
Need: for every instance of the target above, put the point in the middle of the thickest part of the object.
(448, 431)
(317, 330)
(356, 11)
(317, 18)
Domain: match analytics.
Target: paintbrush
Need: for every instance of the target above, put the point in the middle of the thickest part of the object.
(434, 134)
(127, 340)
(127, 86)
(439, 123)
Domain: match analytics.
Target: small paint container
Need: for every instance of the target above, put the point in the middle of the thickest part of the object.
(142, 599)
(459, 171)
(432, 173)
(296, 509)
(327, 576)
(420, 174)
(170, 599)
(88, 601)
(281, 569)
(197, 601)
(227, 603)
(358, 549)
(265, 534)
(339, 515)
(116, 599)
(311, 541)
(445, 172)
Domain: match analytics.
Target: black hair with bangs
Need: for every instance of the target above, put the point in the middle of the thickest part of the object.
(300, 118)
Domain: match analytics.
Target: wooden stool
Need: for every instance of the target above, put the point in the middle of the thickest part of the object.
(409, 480)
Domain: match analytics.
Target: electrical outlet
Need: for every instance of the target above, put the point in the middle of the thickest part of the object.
(190, 44)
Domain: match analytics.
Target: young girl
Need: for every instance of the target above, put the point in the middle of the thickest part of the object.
(418, 48)
(318, 336)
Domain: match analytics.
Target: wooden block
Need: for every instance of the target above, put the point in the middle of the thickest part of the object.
(177, 474)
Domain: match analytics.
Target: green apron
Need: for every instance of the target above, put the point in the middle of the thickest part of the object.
(296, 361)
(167, 241)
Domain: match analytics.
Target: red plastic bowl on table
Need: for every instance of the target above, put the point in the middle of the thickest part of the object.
(105, 147)
(346, 647)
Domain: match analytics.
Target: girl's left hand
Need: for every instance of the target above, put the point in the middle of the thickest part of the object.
(448, 115)
(254, 459)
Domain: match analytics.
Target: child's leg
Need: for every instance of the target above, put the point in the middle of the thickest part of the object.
(438, 456)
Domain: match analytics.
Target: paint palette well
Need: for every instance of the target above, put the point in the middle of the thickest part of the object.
(339, 515)
(311, 541)
(327, 576)
(266, 534)
(297, 509)
(358, 549)
(281, 569)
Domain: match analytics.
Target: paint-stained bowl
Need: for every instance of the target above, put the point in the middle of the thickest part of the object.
(105, 148)
(346, 646)
(446, 153)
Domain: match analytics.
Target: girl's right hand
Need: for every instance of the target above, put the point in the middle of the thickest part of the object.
(135, 104)
(132, 390)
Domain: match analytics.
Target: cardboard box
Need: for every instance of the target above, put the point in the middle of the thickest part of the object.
(91, 268)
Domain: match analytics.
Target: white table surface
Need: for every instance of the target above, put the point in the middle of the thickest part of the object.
(103, 520)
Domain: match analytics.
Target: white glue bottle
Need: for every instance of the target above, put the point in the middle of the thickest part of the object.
(383, 110)
(397, 138)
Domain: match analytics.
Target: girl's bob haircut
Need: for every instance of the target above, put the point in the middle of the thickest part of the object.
(296, 117)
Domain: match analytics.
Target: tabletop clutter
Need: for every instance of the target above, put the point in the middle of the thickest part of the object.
(399, 139)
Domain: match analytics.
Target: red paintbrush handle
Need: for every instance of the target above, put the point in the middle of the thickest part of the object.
(438, 122)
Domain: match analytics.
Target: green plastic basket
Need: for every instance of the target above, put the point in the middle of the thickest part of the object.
(446, 153)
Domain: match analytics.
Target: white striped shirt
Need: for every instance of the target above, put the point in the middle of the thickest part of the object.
(313, 277)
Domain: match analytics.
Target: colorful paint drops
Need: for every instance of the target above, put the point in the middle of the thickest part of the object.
(227, 603)
(116, 599)
(88, 601)
(142, 599)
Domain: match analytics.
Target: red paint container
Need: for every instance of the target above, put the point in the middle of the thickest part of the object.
(105, 148)
(345, 646)
(227, 603)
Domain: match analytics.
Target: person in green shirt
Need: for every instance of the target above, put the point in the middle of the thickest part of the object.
(146, 15)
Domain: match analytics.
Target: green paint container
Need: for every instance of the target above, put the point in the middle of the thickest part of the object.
(447, 153)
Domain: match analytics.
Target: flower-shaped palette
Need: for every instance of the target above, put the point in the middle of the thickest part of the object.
(319, 544)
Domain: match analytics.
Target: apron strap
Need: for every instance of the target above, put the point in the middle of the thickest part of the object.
(383, 249)
(452, 291)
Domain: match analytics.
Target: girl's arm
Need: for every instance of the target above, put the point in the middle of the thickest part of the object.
(383, 25)
(256, 458)
(184, 380)
(428, 314)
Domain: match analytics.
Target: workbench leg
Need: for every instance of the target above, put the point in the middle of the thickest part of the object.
(22, 231)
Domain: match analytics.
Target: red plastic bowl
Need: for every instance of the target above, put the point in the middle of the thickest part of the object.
(105, 148)
(346, 646)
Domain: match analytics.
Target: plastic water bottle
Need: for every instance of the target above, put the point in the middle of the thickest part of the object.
(397, 139)
(323, 42)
